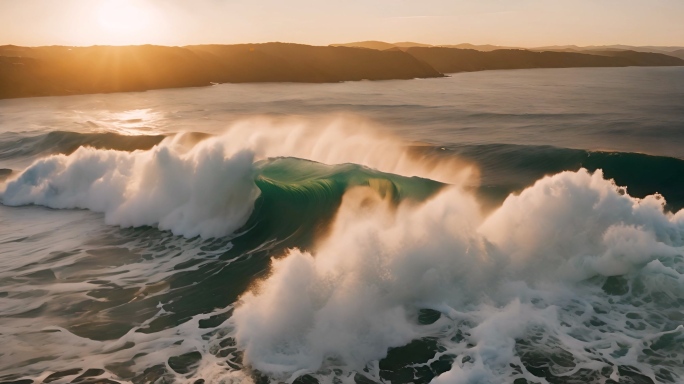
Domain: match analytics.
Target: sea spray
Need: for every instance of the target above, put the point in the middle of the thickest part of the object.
(342, 140)
(572, 278)
(78, 297)
(195, 184)
(579, 225)
(205, 192)
(509, 286)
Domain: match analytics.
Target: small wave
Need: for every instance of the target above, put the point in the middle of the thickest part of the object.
(507, 168)
(5, 173)
(67, 142)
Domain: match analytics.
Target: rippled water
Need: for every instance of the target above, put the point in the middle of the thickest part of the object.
(395, 231)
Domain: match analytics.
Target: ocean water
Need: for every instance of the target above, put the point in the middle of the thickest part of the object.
(494, 227)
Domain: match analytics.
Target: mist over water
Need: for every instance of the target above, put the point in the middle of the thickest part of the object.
(505, 226)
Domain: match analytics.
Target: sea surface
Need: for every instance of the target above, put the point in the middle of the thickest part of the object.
(517, 226)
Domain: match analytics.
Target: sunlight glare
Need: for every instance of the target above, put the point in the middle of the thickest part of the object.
(123, 17)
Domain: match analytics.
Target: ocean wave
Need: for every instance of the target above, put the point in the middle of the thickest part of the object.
(194, 184)
(299, 198)
(508, 168)
(204, 191)
(385, 266)
(64, 142)
(496, 170)
(513, 292)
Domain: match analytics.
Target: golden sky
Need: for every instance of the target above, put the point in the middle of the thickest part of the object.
(525, 23)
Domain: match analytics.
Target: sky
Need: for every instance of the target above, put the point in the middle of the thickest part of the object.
(521, 23)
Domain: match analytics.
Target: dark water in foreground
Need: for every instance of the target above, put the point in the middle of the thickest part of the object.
(458, 230)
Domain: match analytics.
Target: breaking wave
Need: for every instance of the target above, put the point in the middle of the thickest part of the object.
(557, 284)
(338, 254)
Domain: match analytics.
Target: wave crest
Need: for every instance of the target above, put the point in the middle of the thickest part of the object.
(195, 184)
(513, 275)
(205, 191)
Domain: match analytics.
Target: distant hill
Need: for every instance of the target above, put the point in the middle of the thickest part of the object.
(371, 44)
(642, 59)
(276, 62)
(678, 53)
(58, 70)
(622, 47)
(380, 45)
(666, 50)
(450, 60)
(484, 48)
(407, 44)
(76, 70)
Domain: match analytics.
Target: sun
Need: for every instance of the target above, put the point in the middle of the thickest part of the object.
(123, 17)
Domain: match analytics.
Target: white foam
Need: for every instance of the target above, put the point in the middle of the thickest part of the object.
(517, 274)
(343, 139)
(205, 191)
(206, 188)
(577, 225)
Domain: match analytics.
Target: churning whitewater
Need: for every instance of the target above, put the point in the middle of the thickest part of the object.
(377, 272)
(482, 228)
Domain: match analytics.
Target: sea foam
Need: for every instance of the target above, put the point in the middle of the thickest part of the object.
(204, 185)
(204, 191)
(527, 292)
(519, 274)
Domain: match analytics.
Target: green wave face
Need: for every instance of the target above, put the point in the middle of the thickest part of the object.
(300, 197)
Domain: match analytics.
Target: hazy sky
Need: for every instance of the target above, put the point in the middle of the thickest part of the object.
(322, 22)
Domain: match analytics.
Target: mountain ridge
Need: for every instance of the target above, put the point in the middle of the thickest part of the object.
(674, 51)
(62, 70)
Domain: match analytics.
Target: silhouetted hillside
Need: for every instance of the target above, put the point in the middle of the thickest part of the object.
(77, 70)
(592, 49)
(678, 53)
(449, 60)
(57, 70)
(484, 47)
(370, 44)
(43, 71)
(304, 63)
(406, 44)
(665, 50)
(642, 59)
(380, 45)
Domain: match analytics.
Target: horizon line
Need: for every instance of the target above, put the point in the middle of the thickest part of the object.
(351, 42)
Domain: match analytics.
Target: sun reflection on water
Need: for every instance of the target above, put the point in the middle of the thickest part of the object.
(132, 122)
